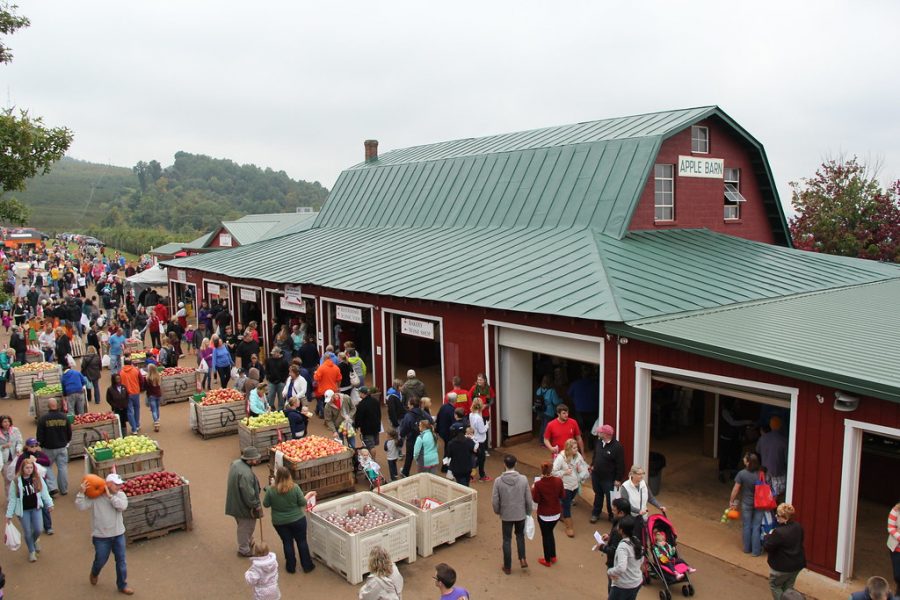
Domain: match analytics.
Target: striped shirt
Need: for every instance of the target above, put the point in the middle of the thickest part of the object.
(893, 541)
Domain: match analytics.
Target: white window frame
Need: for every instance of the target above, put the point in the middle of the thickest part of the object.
(735, 207)
(699, 145)
(657, 206)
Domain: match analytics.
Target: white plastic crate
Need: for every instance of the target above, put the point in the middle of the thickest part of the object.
(456, 516)
(348, 553)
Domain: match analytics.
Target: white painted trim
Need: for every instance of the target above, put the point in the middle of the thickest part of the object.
(439, 320)
(371, 308)
(347, 302)
(847, 513)
(497, 412)
(643, 373)
(387, 379)
(553, 332)
(714, 389)
(220, 282)
(618, 386)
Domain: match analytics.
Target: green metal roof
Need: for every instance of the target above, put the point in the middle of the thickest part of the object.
(200, 242)
(166, 249)
(588, 174)
(851, 343)
(568, 272)
(255, 228)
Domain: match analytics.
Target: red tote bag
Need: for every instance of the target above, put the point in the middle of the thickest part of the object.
(762, 494)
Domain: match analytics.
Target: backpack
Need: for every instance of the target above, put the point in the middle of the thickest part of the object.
(538, 402)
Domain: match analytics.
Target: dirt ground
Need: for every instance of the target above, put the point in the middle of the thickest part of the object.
(203, 562)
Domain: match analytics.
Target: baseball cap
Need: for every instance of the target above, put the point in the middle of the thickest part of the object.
(411, 373)
(606, 429)
(114, 478)
(31, 442)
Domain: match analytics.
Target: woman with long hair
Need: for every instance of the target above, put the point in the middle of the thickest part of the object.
(548, 493)
(153, 384)
(476, 422)
(11, 444)
(384, 581)
(571, 467)
(742, 495)
(204, 354)
(626, 573)
(288, 504)
(28, 495)
(221, 362)
(425, 451)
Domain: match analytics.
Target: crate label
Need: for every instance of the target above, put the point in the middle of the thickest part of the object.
(227, 416)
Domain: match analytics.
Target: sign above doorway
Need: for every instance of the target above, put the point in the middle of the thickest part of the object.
(348, 313)
(417, 328)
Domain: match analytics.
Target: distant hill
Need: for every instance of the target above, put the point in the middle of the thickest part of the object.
(182, 200)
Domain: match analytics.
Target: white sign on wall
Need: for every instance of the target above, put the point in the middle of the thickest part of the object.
(285, 304)
(417, 328)
(693, 166)
(248, 295)
(225, 240)
(292, 294)
(182, 276)
(213, 289)
(348, 313)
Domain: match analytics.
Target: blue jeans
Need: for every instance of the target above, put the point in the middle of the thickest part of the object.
(567, 502)
(60, 457)
(115, 363)
(274, 392)
(134, 411)
(289, 534)
(153, 403)
(95, 393)
(102, 548)
(31, 526)
(544, 420)
(752, 527)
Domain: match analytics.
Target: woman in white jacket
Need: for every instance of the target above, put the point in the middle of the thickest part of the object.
(571, 467)
(625, 573)
(384, 581)
(637, 493)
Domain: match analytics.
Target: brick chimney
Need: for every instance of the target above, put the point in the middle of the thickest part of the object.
(371, 150)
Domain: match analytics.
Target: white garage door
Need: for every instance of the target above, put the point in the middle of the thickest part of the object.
(553, 345)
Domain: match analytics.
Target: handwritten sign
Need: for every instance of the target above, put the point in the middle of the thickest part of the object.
(694, 166)
(213, 289)
(348, 313)
(417, 328)
(248, 295)
(292, 294)
(286, 304)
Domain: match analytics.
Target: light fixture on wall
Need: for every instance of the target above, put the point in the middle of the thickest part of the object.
(844, 402)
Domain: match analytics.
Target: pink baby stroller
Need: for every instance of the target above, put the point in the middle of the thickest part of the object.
(663, 561)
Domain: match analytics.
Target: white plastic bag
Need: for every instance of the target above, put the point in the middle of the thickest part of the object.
(12, 538)
(203, 367)
(614, 495)
(529, 527)
(104, 362)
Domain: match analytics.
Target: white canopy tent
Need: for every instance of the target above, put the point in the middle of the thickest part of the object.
(152, 277)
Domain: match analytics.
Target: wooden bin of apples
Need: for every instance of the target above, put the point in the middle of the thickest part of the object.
(129, 456)
(93, 427)
(41, 397)
(263, 432)
(317, 464)
(133, 345)
(218, 413)
(177, 384)
(33, 356)
(343, 531)
(24, 375)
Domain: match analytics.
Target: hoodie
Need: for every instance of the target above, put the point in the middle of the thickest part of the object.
(511, 497)
(383, 588)
(263, 577)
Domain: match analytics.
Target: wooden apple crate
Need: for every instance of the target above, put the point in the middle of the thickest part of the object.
(348, 553)
(41, 404)
(326, 476)
(85, 434)
(262, 438)
(22, 380)
(218, 419)
(130, 466)
(132, 346)
(158, 513)
(31, 357)
(456, 516)
(177, 388)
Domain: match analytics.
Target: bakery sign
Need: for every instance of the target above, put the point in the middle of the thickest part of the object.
(286, 304)
(694, 166)
(417, 328)
(348, 313)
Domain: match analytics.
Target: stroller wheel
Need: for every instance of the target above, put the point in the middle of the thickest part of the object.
(691, 589)
(665, 595)
(685, 590)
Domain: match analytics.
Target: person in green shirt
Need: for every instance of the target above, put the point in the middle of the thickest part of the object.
(288, 504)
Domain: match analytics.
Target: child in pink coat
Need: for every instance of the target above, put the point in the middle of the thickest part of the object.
(263, 573)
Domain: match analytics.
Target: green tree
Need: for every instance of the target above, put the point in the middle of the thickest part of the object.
(27, 146)
(843, 210)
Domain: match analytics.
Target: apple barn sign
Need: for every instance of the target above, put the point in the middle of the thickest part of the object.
(692, 166)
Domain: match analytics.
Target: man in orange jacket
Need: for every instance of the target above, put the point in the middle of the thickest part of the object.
(327, 377)
(134, 383)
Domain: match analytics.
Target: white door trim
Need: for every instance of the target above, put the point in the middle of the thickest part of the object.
(642, 377)
(852, 454)
(391, 360)
(371, 307)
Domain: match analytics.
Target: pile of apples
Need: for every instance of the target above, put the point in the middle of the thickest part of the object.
(50, 390)
(151, 482)
(35, 367)
(176, 371)
(358, 521)
(224, 396)
(127, 446)
(138, 355)
(264, 420)
(88, 418)
(309, 448)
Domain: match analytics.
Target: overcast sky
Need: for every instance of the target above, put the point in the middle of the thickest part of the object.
(297, 86)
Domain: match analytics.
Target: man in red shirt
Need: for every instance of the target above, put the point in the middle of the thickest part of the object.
(562, 429)
(462, 399)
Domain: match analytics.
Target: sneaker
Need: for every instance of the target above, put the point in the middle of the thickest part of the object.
(93, 579)
(50, 531)
(64, 493)
(37, 546)
(32, 556)
(486, 478)
(53, 493)
(486, 453)
(523, 563)
(546, 563)
(553, 560)
(692, 570)
(594, 518)
(156, 427)
(127, 591)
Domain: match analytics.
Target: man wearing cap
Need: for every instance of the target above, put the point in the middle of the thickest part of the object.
(607, 470)
(181, 315)
(242, 497)
(368, 419)
(413, 387)
(107, 529)
(54, 432)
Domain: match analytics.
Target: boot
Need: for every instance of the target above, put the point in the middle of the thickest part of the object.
(156, 426)
(567, 521)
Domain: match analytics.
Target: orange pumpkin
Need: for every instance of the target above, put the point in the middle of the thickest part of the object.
(734, 514)
(96, 486)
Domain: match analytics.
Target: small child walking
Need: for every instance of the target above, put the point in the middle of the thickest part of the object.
(263, 573)
(7, 320)
(189, 336)
(392, 450)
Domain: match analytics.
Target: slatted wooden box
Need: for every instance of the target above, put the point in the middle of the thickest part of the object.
(218, 419)
(129, 466)
(85, 434)
(326, 476)
(262, 438)
(133, 346)
(22, 380)
(158, 513)
(348, 553)
(456, 516)
(42, 403)
(177, 388)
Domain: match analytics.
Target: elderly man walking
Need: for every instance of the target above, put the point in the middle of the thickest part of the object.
(242, 498)
(511, 499)
(54, 432)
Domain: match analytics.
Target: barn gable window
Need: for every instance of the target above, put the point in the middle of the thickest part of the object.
(664, 192)
(700, 139)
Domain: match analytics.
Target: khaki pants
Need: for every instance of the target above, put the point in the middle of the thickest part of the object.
(245, 529)
(780, 582)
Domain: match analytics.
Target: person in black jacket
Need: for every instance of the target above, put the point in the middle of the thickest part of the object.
(368, 419)
(620, 509)
(409, 431)
(461, 452)
(54, 432)
(117, 397)
(91, 368)
(276, 374)
(63, 347)
(309, 354)
(18, 343)
(92, 338)
(607, 470)
(298, 418)
(246, 348)
(785, 548)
